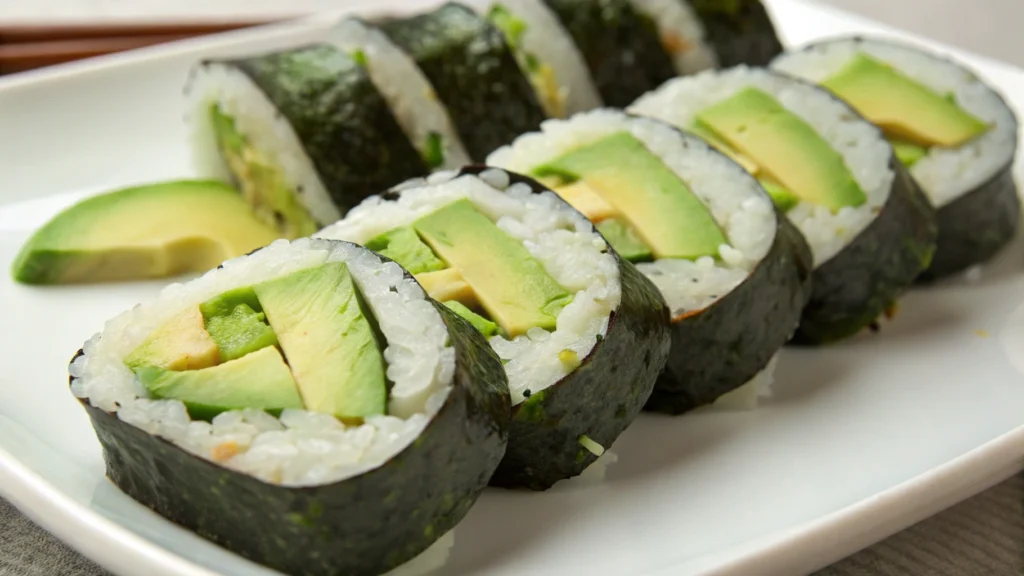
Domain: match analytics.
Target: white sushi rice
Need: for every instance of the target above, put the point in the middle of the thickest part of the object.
(682, 34)
(864, 150)
(409, 94)
(547, 40)
(562, 240)
(263, 126)
(733, 197)
(945, 174)
(300, 448)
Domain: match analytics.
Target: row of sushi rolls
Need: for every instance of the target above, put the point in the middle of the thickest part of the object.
(468, 247)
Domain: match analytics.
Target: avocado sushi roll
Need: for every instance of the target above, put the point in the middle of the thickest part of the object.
(734, 272)
(621, 45)
(954, 133)
(473, 73)
(408, 92)
(739, 31)
(305, 406)
(547, 56)
(582, 335)
(304, 133)
(870, 229)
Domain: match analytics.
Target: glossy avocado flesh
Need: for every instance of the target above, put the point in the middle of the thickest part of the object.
(150, 231)
(261, 183)
(648, 197)
(785, 148)
(902, 107)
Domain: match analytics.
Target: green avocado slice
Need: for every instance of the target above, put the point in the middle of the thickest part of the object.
(404, 246)
(151, 231)
(649, 197)
(262, 184)
(483, 325)
(788, 150)
(258, 380)
(901, 106)
(512, 286)
(624, 241)
(180, 344)
(328, 340)
(907, 153)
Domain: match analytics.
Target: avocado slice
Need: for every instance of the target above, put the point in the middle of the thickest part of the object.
(907, 153)
(448, 284)
(328, 339)
(783, 199)
(709, 136)
(404, 246)
(145, 232)
(181, 344)
(583, 198)
(624, 241)
(262, 184)
(648, 196)
(237, 324)
(483, 325)
(258, 380)
(901, 106)
(512, 287)
(788, 150)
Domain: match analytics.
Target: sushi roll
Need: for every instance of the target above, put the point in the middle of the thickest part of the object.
(620, 44)
(734, 272)
(954, 133)
(582, 335)
(473, 73)
(305, 406)
(870, 229)
(547, 56)
(409, 93)
(304, 133)
(739, 31)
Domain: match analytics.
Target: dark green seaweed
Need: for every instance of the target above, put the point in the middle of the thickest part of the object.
(722, 347)
(976, 226)
(600, 398)
(740, 31)
(474, 74)
(365, 525)
(343, 122)
(621, 46)
(856, 286)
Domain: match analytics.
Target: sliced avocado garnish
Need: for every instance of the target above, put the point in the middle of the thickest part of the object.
(404, 246)
(151, 231)
(262, 185)
(663, 211)
(783, 199)
(901, 106)
(907, 153)
(448, 284)
(236, 322)
(433, 154)
(624, 240)
(511, 286)
(788, 151)
(582, 197)
(483, 325)
(328, 340)
(258, 380)
(722, 146)
(180, 344)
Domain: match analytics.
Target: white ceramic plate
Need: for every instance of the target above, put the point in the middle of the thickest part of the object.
(859, 441)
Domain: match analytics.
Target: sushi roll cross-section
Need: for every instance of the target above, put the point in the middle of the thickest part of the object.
(304, 133)
(733, 271)
(869, 227)
(581, 334)
(957, 136)
(306, 406)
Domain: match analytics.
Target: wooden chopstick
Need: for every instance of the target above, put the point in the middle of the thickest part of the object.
(28, 47)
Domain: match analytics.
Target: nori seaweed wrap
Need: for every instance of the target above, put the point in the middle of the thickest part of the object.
(734, 272)
(473, 73)
(582, 334)
(254, 406)
(304, 133)
(740, 31)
